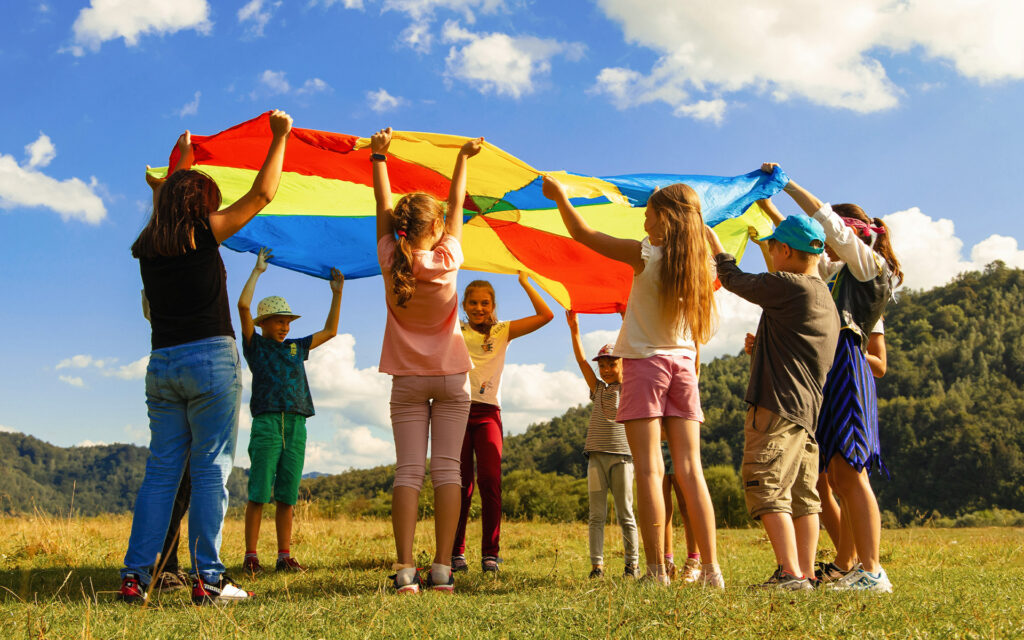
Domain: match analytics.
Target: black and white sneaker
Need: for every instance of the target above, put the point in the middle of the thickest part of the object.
(221, 592)
(785, 581)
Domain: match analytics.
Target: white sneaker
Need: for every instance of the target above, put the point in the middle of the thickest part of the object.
(860, 580)
(691, 571)
(711, 578)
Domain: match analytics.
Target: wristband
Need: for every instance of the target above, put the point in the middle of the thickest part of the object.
(375, 157)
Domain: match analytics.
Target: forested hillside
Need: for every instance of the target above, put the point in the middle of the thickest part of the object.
(101, 479)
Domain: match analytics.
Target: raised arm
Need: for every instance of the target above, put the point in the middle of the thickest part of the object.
(245, 298)
(379, 144)
(763, 246)
(773, 212)
(803, 198)
(620, 249)
(577, 351)
(541, 317)
(186, 158)
(331, 326)
(227, 222)
(457, 191)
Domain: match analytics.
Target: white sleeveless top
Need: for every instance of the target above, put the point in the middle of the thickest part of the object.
(644, 333)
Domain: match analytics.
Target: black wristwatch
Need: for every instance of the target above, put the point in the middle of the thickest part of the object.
(374, 157)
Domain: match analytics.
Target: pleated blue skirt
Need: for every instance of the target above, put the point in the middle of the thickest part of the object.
(848, 423)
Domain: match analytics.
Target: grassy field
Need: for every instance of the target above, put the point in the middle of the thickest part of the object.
(58, 578)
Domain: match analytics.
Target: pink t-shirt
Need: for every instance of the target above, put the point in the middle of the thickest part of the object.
(423, 338)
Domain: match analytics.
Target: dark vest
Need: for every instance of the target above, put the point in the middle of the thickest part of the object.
(861, 304)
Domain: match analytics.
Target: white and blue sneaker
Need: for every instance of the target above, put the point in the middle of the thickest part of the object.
(860, 580)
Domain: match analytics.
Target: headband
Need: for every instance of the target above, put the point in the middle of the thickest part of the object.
(863, 228)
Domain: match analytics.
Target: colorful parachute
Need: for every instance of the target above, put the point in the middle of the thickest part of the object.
(323, 214)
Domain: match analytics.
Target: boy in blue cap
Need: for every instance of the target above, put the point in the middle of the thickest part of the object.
(792, 354)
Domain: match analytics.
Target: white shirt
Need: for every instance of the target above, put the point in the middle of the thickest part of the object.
(644, 331)
(488, 355)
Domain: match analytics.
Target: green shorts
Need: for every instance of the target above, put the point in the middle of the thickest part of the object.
(277, 449)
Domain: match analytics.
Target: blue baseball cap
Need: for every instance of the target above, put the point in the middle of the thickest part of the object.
(798, 232)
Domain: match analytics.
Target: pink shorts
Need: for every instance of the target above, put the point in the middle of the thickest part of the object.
(659, 386)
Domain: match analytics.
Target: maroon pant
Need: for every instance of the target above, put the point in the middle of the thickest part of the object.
(484, 439)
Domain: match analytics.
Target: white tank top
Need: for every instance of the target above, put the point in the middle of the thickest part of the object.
(644, 332)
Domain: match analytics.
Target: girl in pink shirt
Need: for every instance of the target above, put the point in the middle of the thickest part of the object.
(419, 253)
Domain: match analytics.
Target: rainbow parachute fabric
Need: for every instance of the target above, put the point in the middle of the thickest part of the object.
(323, 214)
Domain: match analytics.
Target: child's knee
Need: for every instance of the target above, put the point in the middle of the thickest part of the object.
(442, 474)
(410, 476)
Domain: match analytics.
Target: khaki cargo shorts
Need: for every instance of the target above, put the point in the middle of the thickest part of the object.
(780, 466)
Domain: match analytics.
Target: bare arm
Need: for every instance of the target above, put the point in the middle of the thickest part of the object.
(620, 249)
(227, 222)
(379, 144)
(763, 246)
(186, 158)
(331, 325)
(577, 350)
(245, 298)
(529, 324)
(876, 354)
(457, 191)
(804, 198)
(773, 213)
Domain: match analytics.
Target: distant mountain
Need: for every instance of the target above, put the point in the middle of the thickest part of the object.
(314, 474)
(37, 475)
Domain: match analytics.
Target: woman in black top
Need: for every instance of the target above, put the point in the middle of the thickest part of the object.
(193, 386)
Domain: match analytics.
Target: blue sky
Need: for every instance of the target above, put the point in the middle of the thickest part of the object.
(910, 109)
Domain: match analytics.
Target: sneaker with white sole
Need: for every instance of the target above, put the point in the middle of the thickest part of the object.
(861, 580)
(783, 580)
(691, 571)
(408, 588)
(224, 591)
(489, 564)
(444, 587)
(459, 564)
(711, 578)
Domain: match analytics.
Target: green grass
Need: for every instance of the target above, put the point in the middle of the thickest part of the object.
(58, 577)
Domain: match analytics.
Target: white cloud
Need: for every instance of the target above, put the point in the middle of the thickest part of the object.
(347, 4)
(350, 448)
(418, 35)
(276, 83)
(931, 254)
(826, 53)
(337, 383)
(530, 393)
(74, 381)
(736, 318)
(594, 340)
(106, 366)
(90, 443)
(107, 20)
(5, 429)
(41, 152)
(190, 108)
(500, 63)
(25, 186)
(133, 371)
(255, 15)
(80, 361)
(381, 100)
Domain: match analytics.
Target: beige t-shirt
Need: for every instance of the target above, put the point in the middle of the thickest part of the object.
(644, 333)
(488, 355)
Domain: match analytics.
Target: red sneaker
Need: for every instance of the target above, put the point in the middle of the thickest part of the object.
(132, 591)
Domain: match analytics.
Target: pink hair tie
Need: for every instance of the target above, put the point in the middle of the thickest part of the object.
(862, 227)
(401, 234)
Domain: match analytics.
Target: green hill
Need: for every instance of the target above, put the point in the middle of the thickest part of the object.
(37, 475)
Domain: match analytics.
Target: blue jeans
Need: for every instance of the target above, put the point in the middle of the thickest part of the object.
(193, 392)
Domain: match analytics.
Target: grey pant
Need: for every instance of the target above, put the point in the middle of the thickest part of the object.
(611, 471)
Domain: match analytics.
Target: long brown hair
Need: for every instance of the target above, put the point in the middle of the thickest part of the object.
(186, 200)
(687, 280)
(883, 241)
(412, 218)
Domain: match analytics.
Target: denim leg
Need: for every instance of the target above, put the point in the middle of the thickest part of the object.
(168, 448)
(213, 417)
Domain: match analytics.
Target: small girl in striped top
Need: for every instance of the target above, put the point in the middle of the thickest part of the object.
(609, 463)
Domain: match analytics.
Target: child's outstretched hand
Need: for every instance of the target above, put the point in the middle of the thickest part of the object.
(748, 344)
(380, 141)
(551, 188)
(261, 259)
(754, 234)
(769, 167)
(472, 147)
(337, 280)
(572, 321)
(280, 123)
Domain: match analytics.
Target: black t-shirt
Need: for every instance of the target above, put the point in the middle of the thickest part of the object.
(188, 296)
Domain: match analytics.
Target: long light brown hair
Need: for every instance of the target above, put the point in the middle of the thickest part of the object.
(883, 241)
(687, 279)
(412, 219)
(186, 200)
